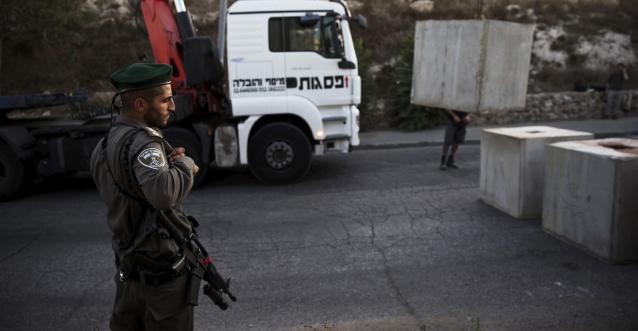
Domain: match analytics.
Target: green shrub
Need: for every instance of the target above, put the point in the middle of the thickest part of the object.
(404, 114)
(368, 86)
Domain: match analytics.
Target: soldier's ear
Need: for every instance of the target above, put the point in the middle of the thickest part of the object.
(140, 105)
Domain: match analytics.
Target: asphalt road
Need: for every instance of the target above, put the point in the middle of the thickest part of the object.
(373, 240)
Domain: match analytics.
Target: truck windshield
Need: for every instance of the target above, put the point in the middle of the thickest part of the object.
(288, 35)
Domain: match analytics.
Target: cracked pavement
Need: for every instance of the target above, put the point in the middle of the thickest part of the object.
(373, 240)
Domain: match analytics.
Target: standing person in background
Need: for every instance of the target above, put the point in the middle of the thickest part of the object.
(454, 136)
(614, 91)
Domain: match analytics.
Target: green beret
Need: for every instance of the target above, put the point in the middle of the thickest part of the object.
(140, 76)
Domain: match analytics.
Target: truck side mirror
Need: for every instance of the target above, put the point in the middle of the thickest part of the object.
(345, 64)
(361, 21)
(309, 20)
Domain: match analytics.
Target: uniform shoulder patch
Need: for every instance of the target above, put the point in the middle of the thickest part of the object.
(153, 132)
(152, 158)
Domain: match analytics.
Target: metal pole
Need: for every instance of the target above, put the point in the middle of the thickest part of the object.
(179, 5)
(221, 29)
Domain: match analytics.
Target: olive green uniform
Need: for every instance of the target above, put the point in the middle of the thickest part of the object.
(142, 248)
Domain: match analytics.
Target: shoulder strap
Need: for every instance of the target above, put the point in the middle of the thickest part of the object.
(130, 181)
(129, 186)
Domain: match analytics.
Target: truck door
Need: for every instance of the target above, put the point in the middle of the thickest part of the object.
(254, 72)
(312, 49)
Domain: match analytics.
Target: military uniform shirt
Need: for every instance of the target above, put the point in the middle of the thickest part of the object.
(163, 185)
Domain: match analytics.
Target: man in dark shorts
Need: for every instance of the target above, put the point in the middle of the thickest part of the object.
(454, 136)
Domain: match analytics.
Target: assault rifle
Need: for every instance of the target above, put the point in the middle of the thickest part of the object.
(201, 264)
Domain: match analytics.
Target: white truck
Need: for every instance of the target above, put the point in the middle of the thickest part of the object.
(289, 90)
(292, 75)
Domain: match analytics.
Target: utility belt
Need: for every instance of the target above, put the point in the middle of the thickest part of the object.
(155, 278)
(151, 278)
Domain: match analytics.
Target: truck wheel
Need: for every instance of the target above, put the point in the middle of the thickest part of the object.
(279, 153)
(11, 173)
(179, 137)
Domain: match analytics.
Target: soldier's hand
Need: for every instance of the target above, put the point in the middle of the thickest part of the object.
(177, 153)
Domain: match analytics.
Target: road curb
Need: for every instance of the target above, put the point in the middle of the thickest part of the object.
(468, 142)
(615, 134)
(408, 145)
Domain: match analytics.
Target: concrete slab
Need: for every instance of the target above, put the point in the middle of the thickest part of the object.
(508, 51)
(590, 195)
(471, 65)
(512, 166)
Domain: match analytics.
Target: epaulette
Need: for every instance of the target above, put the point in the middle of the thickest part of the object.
(153, 133)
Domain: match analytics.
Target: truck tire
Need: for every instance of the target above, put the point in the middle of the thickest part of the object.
(11, 173)
(179, 137)
(279, 153)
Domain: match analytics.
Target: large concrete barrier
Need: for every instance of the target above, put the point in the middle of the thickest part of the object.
(512, 166)
(590, 196)
(471, 65)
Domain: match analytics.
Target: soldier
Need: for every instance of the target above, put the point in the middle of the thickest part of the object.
(138, 174)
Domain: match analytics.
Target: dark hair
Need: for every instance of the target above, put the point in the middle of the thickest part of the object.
(128, 98)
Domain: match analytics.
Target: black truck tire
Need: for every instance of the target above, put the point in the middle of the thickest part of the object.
(279, 153)
(12, 173)
(180, 137)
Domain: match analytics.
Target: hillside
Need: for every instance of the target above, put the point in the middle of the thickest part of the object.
(576, 41)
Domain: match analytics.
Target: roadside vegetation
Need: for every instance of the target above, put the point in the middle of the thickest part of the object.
(68, 44)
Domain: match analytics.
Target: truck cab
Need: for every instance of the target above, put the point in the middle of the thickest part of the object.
(293, 81)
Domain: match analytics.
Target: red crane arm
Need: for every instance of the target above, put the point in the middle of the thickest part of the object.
(164, 36)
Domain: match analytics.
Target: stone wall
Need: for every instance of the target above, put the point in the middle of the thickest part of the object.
(542, 107)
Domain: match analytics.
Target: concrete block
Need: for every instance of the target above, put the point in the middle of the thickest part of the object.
(471, 65)
(512, 166)
(590, 196)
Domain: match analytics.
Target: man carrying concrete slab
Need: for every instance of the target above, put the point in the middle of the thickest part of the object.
(454, 136)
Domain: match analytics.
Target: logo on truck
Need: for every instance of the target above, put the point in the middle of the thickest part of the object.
(281, 84)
